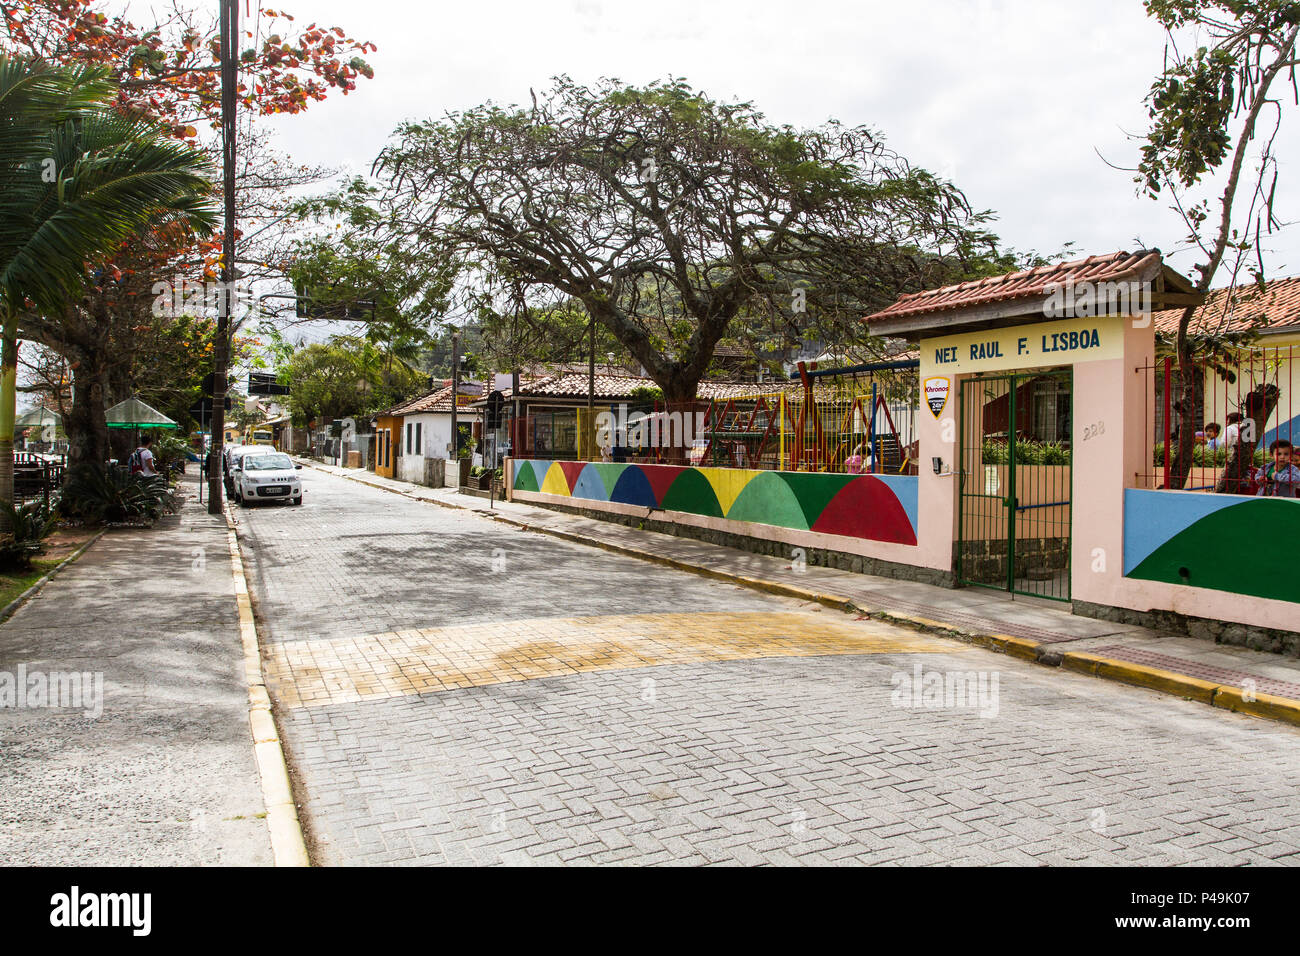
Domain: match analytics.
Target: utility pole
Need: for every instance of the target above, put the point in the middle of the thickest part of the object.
(225, 301)
(455, 391)
(590, 441)
(591, 368)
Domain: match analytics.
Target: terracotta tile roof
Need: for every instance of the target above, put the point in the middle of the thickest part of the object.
(574, 385)
(622, 386)
(721, 391)
(1241, 308)
(1031, 283)
(439, 400)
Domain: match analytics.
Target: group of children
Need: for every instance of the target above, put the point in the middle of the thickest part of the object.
(1278, 478)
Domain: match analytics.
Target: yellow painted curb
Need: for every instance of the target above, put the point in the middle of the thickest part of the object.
(1257, 705)
(288, 847)
(1021, 647)
(1141, 675)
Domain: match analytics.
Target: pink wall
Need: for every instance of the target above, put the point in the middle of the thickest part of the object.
(936, 508)
(1113, 393)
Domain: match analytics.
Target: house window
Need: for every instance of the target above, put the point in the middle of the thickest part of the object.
(410, 448)
(418, 447)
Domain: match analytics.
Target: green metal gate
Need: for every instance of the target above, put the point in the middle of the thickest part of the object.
(1013, 529)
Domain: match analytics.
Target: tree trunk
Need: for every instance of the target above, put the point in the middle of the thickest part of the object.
(1239, 467)
(1181, 463)
(85, 425)
(8, 408)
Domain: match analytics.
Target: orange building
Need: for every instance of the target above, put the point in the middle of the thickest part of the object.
(388, 440)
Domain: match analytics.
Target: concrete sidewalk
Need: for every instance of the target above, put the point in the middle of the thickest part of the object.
(166, 774)
(1235, 678)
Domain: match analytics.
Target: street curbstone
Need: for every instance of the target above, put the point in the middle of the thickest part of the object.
(1141, 675)
(288, 845)
(1267, 706)
(12, 607)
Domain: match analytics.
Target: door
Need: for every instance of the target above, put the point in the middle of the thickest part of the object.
(1013, 529)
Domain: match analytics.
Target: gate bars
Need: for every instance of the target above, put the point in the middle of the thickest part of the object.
(1015, 483)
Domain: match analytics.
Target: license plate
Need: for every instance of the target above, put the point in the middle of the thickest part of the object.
(275, 491)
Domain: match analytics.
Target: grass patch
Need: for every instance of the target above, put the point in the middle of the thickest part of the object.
(12, 585)
(58, 547)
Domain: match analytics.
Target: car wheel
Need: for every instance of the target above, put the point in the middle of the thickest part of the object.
(298, 500)
(244, 502)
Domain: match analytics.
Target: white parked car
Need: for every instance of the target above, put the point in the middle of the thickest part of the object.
(266, 477)
(233, 454)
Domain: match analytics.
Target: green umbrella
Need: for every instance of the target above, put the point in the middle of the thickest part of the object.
(39, 418)
(134, 413)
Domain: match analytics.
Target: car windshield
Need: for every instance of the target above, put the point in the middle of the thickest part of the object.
(267, 463)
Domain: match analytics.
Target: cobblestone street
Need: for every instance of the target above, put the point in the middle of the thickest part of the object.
(454, 690)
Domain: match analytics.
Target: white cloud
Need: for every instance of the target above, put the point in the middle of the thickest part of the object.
(1013, 98)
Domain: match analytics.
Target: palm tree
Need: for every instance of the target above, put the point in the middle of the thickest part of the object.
(77, 179)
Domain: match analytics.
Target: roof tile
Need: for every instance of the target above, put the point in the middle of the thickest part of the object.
(1015, 285)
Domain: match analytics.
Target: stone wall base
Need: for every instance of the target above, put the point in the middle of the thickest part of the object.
(816, 557)
(1269, 639)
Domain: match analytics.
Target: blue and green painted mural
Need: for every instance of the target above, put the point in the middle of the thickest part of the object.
(874, 507)
(1221, 542)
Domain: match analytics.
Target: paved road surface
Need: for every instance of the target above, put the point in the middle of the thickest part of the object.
(451, 690)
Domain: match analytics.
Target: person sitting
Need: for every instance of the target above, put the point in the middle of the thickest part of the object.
(1212, 431)
(1279, 478)
(854, 463)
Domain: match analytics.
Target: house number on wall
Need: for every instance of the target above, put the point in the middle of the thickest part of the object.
(1092, 431)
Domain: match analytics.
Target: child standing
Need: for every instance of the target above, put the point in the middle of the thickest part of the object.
(1279, 478)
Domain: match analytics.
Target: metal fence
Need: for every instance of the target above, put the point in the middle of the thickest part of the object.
(852, 427)
(37, 477)
(1244, 401)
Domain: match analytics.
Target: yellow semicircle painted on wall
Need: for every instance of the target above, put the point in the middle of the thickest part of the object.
(728, 483)
(555, 483)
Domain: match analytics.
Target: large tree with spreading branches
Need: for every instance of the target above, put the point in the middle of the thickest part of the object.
(664, 214)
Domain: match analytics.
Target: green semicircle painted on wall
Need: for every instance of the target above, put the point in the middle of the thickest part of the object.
(525, 480)
(691, 492)
(1237, 549)
(814, 491)
(769, 500)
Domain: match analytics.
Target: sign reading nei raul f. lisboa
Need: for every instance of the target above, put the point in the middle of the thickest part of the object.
(1064, 342)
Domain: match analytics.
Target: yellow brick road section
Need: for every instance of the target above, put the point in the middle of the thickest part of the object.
(315, 673)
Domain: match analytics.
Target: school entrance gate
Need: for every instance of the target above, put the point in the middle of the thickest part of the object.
(1014, 482)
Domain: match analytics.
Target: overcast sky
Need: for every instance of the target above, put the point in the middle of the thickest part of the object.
(1013, 100)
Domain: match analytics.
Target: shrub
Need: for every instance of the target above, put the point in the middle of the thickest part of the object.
(647, 394)
(1055, 453)
(29, 526)
(111, 494)
(994, 452)
(1029, 453)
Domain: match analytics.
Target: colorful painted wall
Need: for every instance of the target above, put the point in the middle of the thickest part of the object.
(1221, 542)
(870, 507)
